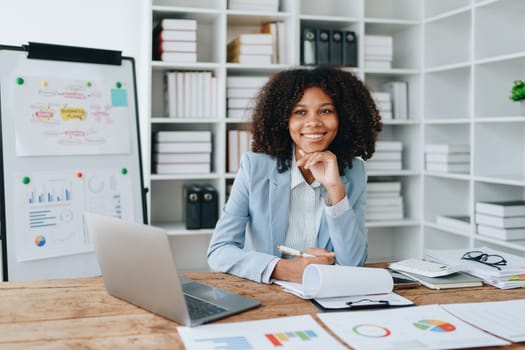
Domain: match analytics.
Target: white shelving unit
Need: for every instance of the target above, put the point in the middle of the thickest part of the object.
(447, 51)
(473, 50)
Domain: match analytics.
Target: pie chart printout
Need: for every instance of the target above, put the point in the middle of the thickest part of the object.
(435, 326)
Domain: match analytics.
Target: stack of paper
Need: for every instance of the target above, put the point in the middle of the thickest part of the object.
(241, 93)
(254, 5)
(175, 39)
(379, 51)
(458, 222)
(398, 90)
(387, 157)
(384, 104)
(182, 152)
(251, 49)
(502, 318)
(502, 220)
(511, 275)
(448, 158)
(384, 201)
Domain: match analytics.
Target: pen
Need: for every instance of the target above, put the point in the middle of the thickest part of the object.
(294, 252)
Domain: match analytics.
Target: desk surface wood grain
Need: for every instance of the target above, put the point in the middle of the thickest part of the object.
(79, 314)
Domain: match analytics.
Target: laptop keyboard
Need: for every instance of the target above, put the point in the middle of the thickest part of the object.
(199, 308)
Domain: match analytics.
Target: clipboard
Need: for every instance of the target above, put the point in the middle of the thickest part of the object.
(361, 302)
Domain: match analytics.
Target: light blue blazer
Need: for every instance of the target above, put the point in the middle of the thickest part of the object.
(255, 219)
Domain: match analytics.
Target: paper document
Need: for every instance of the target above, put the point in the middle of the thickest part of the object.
(295, 332)
(327, 281)
(511, 275)
(505, 319)
(418, 327)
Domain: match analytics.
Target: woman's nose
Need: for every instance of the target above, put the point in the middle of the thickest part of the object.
(313, 118)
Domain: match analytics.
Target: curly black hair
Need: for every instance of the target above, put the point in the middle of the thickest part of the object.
(359, 119)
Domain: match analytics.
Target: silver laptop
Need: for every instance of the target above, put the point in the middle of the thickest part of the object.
(137, 266)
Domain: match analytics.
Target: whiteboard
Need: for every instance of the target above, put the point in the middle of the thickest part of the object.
(70, 144)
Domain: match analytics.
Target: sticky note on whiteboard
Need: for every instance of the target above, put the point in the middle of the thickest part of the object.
(119, 98)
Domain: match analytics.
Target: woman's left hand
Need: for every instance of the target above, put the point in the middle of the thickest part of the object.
(324, 168)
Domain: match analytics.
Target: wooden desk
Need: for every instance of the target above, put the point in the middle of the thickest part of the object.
(78, 313)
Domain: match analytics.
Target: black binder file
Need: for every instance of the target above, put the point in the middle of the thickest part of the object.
(323, 46)
(209, 207)
(350, 49)
(308, 47)
(192, 199)
(336, 47)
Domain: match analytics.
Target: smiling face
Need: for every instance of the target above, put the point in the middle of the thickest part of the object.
(314, 122)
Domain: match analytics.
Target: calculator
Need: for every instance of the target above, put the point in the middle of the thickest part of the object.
(424, 268)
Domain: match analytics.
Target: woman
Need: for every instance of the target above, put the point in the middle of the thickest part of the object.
(302, 185)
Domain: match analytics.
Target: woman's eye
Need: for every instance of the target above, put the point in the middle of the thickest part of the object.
(326, 111)
(300, 112)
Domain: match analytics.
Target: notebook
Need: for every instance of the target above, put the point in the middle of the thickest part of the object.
(137, 266)
(455, 280)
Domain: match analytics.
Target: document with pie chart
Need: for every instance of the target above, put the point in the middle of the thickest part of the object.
(419, 327)
(49, 207)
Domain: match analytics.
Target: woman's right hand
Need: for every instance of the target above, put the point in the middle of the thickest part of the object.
(292, 269)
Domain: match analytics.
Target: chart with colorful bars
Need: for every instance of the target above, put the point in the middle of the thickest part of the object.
(295, 332)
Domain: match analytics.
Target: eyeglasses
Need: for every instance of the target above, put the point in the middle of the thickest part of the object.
(492, 260)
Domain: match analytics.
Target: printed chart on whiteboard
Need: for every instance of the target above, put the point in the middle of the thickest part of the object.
(70, 144)
(49, 207)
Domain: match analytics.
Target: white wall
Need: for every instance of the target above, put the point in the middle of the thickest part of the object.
(106, 24)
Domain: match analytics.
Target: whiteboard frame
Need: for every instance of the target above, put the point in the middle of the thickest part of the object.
(75, 265)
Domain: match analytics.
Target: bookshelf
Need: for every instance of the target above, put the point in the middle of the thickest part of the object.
(441, 48)
(459, 104)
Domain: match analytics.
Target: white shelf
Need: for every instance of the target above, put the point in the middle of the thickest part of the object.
(179, 229)
(448, 229)
(459, 74)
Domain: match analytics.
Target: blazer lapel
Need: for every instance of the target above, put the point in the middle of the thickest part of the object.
(279, 201)
(324, 234)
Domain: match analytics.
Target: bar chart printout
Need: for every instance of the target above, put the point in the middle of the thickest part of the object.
(295, 332)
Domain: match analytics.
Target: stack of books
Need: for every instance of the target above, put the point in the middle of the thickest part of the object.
(239, 142)
(506, 277)
(458, 222)
(182, 152)
(387, 157)
(502, 220)
(254, 5)
(241, 93)
(447, 158)
(190, 94)
(384, 104)
(384, 201)
(378, 51)
(398, 91)
(251, 49)
(175, 40)
(276, 30)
